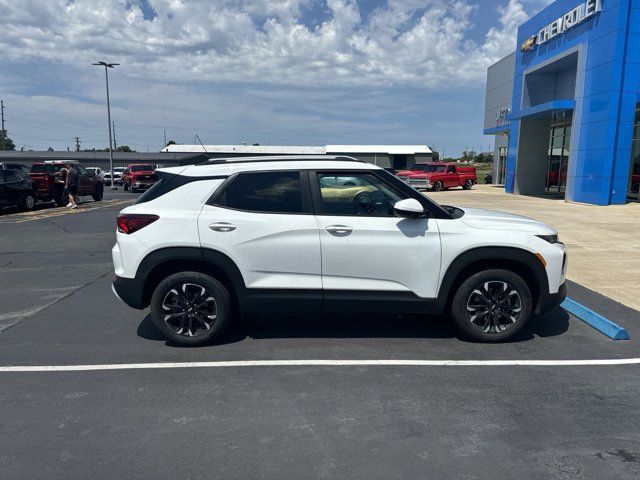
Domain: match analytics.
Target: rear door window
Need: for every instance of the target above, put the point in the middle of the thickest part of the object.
(264, 192)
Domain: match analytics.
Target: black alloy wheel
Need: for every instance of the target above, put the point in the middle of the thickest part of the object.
(191, 308)
(437, 186)
(492, 305)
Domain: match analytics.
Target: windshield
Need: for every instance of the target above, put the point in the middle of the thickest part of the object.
(142, 168)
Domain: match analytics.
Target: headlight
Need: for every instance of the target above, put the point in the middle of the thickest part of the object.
(549, 238)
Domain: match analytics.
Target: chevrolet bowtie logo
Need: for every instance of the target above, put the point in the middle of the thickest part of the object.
(528, 45)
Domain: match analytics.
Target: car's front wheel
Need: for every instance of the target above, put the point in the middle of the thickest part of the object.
(492, 305)
(437, 186)
(191, 308)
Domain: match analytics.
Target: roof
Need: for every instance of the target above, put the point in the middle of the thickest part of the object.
(241, 164)
(300, 149)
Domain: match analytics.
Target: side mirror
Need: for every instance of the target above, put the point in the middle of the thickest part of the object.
(409, 208)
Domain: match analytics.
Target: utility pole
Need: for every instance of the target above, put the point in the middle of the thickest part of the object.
(2, 114)
(107, 66)
(115, 147)
(77, 139)
(165, 138)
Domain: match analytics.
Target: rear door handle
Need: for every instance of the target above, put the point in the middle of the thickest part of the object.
(339, 229)
(222, 227)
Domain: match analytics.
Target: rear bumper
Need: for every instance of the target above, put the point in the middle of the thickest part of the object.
(129, 291)
(551, 300)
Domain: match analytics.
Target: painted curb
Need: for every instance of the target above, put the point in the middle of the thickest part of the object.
(595, 320)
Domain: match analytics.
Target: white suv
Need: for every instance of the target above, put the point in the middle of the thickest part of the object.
(326, 234)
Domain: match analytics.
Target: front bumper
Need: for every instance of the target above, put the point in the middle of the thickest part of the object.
(419, 183)
(552, 300)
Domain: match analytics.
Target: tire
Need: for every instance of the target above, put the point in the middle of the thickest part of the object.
(29, 201)
(98, 192)
(175, 321)
(437, 186)
(487, 291)
(467, 185)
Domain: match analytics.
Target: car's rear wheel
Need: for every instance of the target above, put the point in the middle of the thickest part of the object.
(437, 186)
(98, 192)
(467, 185)
(29, 201)
(492, 305)
(191, 308)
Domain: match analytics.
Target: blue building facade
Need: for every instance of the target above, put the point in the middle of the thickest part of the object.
(572, 126)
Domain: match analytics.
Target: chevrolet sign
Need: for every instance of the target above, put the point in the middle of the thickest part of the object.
(575, 17)
(529, 44)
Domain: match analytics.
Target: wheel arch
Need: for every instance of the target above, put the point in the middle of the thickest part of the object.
(520, 261)
(166, 261)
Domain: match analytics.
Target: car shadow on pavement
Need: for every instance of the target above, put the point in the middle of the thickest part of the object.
(263, 326)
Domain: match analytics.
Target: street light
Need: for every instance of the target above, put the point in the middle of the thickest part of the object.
(107, 66)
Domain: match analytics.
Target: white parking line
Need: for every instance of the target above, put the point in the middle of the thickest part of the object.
(330, 363)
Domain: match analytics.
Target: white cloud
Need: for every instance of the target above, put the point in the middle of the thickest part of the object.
(421, 43)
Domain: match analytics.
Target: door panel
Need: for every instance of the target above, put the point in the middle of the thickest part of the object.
(381, 253)
(275, 251)
(364, 246)
(263, 222)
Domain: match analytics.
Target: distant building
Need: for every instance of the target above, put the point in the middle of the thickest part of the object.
(396, 156)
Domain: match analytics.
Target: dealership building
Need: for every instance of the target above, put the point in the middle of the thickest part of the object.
(565, 107)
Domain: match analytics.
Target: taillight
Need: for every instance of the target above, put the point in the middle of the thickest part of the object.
(129, 223)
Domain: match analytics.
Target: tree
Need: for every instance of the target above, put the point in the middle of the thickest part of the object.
(435, 156)
(170, 142)
(8, 143)
(124, 148)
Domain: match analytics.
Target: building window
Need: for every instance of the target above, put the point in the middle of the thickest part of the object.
(634, 174)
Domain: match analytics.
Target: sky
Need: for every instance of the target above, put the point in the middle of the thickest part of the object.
(273, 72)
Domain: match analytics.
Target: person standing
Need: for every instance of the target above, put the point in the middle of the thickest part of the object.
(73, 179)
(61, 185)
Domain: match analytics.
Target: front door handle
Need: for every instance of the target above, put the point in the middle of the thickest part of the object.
(339, 229)
(222, 227)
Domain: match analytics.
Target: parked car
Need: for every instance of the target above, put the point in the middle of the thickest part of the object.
(17, 189)
(415, 169)
(97, 171)
(139, 176)
(117, 173)
(45, 173)
(14, 166)
(440, 176)
(213, 240)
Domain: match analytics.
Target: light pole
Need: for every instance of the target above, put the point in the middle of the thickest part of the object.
(107, 66)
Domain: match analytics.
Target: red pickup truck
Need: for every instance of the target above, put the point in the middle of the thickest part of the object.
(45, 174)
(440, 176)
(139, 176)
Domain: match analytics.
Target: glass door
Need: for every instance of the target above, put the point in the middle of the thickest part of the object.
(633, 192)
(502, 165)
(558, 159)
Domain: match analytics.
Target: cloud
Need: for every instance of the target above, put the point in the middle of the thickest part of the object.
(403, 42)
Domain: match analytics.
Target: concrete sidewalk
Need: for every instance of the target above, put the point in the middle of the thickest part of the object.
(603, 242)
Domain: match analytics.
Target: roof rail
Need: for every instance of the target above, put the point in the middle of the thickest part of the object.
(279, 158)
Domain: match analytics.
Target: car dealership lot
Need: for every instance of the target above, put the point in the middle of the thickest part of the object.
(289, 421)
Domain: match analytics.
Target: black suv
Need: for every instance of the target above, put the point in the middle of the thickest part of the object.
(17, 190)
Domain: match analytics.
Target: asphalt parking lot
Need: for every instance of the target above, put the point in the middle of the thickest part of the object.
(340, 419)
